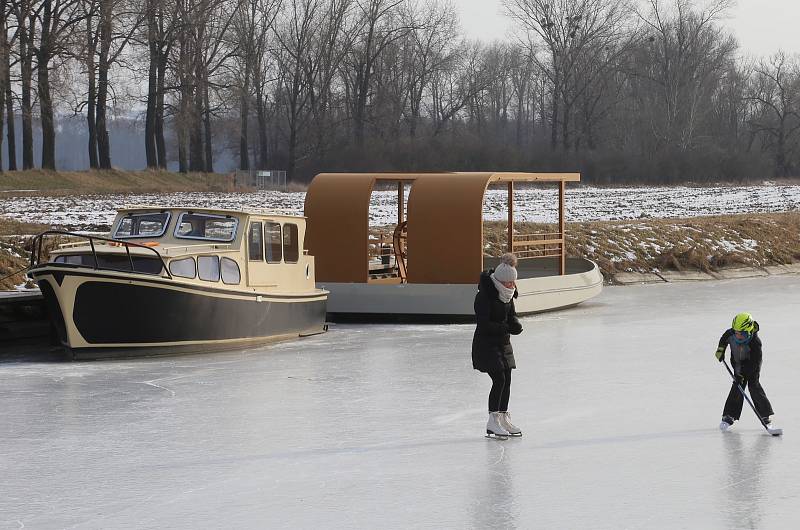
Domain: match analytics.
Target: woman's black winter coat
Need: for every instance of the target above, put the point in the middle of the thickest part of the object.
(497, 321)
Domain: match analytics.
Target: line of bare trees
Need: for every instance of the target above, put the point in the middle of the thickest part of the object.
(621, 90)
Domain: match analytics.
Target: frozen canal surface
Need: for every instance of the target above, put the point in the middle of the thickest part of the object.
(382, 427)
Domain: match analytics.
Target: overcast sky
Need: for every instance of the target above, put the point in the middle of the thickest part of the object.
(762, 26)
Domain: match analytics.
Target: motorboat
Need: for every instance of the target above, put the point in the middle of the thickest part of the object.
(170, 280)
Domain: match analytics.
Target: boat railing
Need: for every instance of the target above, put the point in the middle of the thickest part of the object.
(538, 245)
(197, 249)
(94, 241)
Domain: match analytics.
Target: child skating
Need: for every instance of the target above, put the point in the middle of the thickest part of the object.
(746, 357)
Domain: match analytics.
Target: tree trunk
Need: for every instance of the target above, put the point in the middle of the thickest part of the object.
(103, 143)
(5, 78)
(182, 126)
(26, 36)
(46, 112)
(45, 101)
(10, 126)
(244, 148)
(9, 109)
(152, 88)
(91, 48)
(209, 165)
(161, 145)
(263, 139)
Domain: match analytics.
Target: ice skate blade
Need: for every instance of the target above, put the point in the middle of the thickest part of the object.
(725, 426)
(775, 432)
(494, 436)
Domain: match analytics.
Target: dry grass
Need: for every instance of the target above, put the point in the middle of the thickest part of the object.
(701, 243)
(112, 181)
(15, 239)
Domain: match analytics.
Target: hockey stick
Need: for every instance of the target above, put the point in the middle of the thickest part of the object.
(773, 432)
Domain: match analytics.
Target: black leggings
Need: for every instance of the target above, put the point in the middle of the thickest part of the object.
(501, 390)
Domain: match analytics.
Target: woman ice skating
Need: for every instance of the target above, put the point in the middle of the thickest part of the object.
(491, 344)
(745, 346)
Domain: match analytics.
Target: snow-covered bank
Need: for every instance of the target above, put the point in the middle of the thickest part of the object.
(90, 212)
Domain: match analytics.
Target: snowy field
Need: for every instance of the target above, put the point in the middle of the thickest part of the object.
(382, 427)
(95, 212)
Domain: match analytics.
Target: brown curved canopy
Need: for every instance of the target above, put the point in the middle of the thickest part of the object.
(445, 223)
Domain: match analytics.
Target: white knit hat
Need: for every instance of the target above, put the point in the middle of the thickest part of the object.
(505, 273)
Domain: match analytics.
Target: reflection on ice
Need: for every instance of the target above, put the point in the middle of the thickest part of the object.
(383, 427)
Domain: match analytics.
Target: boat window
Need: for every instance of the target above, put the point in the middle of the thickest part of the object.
(151, 224)
(208, 268)
(114, 262)
(272, 242)
(291, 252)
(185, 268)
(230, 271)
(255, 248)
(205, 226)
(70, 260)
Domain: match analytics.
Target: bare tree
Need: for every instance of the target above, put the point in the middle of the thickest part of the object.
(776, 93)
(434, 43)
(252, 27)
(686, 55)
(379, 25)
(295, 36)
(57, 20)
(8, 94)
(574, 33)
(26, 32)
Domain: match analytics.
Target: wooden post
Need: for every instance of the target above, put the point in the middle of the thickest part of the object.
(563, 259)
(400, 201)
(511, 216)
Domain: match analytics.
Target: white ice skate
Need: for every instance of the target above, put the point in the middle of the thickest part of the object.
(505, 421)
(726, 423)
(494, 427)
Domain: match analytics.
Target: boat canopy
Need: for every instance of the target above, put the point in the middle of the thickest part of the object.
(444, 230)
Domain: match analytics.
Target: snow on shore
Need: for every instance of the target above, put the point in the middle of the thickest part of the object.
(89, 212)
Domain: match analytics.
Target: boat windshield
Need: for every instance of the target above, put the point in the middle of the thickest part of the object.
(149, 224)
(205, 226)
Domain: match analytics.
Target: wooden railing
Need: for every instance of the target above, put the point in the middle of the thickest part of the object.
(541, 245)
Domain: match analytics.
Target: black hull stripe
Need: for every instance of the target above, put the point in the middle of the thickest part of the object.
(150, 315)
(36, 273)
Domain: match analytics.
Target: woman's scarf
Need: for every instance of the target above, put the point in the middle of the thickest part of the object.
(505, 294)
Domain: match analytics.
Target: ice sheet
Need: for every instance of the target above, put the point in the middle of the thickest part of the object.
(382, 427)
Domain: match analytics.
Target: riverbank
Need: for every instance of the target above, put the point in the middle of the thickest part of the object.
(111, 181)
(659, 249)
(647, 250)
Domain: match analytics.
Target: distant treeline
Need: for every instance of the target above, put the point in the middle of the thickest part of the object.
(622, 91)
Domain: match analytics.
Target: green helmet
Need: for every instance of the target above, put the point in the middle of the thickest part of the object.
(743, 322)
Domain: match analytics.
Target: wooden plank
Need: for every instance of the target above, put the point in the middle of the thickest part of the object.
(561, 192)
(537, 242)
(400, 201)
(510, 245)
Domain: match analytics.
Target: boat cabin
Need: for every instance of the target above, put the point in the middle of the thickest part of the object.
(250, 249)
